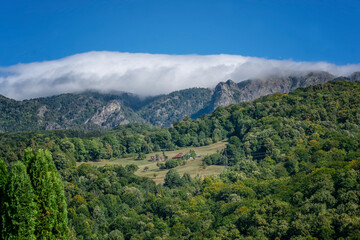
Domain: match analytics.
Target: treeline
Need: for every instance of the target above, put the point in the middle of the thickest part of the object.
(70, 146)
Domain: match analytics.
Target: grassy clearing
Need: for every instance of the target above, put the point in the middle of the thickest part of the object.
(193, 166)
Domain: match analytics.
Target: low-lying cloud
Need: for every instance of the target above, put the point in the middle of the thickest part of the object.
(144, 74)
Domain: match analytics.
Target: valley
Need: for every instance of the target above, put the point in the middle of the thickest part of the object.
(194, 167)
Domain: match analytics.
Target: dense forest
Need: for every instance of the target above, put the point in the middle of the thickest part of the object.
(292, 173)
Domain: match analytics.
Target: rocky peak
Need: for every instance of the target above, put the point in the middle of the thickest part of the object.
(231, 83)
(225, 94)
(229, 92)
(355, 76)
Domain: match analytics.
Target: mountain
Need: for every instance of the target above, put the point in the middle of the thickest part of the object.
(85, 111)
(174, 106)
(229, 92)
(94, 110)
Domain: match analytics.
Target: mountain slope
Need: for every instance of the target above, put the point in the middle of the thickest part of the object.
(174, 106)
(76, 111)
(93, 110)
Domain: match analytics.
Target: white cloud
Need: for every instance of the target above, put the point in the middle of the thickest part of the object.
(144, 74)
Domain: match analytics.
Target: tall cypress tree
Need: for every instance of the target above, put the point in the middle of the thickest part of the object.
(49, 194)
(3, 197)
(21, 208)
(60, 228)
(32, 199)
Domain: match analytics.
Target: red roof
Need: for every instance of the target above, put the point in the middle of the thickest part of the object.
(178, 156)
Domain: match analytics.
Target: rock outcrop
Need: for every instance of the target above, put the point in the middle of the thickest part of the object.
(355, 76)
(229, 92)
(113, 114)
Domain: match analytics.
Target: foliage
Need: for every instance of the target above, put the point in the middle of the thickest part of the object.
(292, 173)
(34, 205)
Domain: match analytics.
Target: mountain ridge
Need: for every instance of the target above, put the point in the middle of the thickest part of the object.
(94, 110)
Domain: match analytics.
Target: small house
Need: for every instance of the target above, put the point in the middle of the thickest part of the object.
(178, 156)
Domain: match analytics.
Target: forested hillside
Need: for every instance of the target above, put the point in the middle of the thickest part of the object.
(292, 172)
(88, 110)
(92, 110)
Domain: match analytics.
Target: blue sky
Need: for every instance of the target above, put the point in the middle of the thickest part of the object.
(301, 30)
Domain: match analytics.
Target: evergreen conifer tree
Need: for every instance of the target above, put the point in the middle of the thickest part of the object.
(20, 207)
(32, 198)
(49, 194)
(3, 196)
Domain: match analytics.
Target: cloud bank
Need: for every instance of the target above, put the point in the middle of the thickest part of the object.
(144, 74)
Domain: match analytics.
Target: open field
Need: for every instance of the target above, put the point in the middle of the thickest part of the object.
(193, 166)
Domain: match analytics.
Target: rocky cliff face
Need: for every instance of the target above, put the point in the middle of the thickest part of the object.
(111, 110)
(226, 93)
(355, 77)
(231, 93)
(113, 114)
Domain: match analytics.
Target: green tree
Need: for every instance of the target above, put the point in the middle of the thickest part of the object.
(115, 235)
(3, 196)
(141, 156)
(192, 153)
(51, 219)
(172, 179)
(21, 208)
